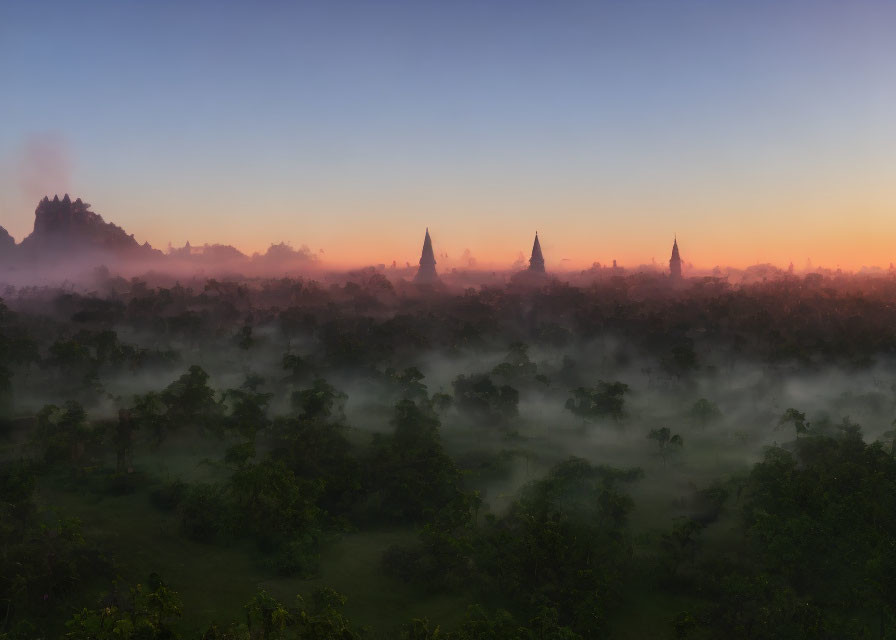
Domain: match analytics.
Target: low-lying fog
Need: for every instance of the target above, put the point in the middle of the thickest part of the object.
(743, 400)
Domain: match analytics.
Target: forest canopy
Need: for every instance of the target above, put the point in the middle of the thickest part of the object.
(289, 458)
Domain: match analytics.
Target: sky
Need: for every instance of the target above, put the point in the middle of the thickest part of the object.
(755, 131)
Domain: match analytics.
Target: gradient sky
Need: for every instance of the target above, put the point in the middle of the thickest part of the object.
(756, 131)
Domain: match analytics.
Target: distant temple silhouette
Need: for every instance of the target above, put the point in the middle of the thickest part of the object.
(426, 274)
(536, 262)
(534, 274)
(675, 262)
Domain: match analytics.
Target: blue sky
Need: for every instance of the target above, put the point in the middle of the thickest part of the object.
(759, 131)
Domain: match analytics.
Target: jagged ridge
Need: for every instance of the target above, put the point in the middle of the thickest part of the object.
(63, 224)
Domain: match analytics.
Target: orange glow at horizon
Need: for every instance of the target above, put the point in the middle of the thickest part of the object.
(570, 242)
(700, 249)
(833, 220)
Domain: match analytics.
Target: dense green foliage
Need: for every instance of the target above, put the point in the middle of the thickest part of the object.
(484, 451)
(605, 399)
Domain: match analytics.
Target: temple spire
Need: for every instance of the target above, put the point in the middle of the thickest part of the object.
(536, 262)
(675, 261)
(427, 271)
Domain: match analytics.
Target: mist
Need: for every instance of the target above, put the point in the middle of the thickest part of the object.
(686, 387)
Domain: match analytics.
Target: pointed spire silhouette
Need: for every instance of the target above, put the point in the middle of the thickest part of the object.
(536, 262)
(427, 271)
(675, 261)
(427, 256)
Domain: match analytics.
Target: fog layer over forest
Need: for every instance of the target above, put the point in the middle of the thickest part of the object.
(529, 458)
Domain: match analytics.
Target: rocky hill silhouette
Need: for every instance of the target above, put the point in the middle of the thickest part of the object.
(69, 238)
(7, 242)
(65, 228)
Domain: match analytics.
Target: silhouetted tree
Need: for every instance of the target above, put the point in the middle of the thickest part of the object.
(606, 399)
(478, 397)
(797, 419)
(666, 441)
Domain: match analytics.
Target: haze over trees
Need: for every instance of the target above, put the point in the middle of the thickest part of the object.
(182, 457)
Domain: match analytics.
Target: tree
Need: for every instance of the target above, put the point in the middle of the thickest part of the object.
(666, 441)
(818, 559)
(147, 614)
(189, 400)
(410, 384)
(248, 409)
(279, 510)
(71, 357)
(797, 419)
(680, 357)
(412, 477)
(679, 545)
(318, 450)
(479, 397)
(441, 402)
(703, 412)
(517, 367)
(322, 401)
(269, 619)
(605, 399)
(63, 432)
(298, 367)
(563, 544)
(243, 338)
(149, 413)
(44, 559)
